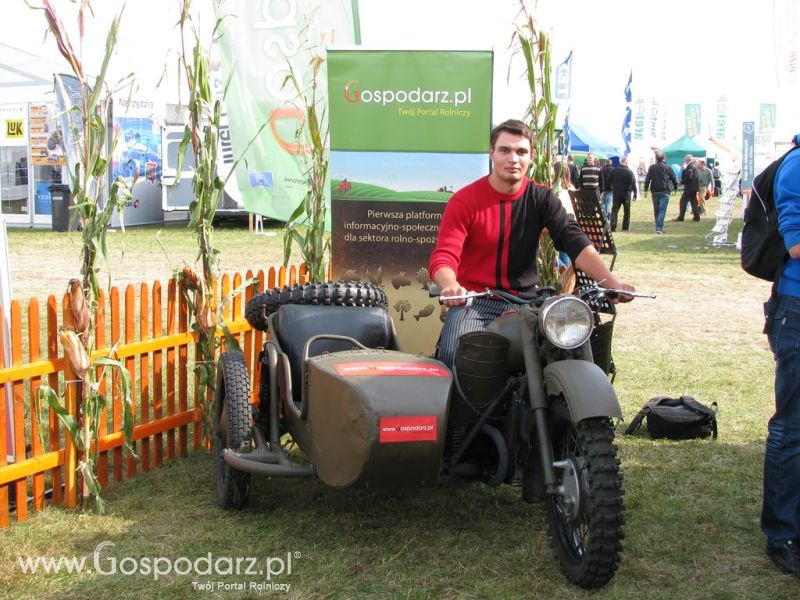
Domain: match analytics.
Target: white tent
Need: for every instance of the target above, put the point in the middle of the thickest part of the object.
(25, 77)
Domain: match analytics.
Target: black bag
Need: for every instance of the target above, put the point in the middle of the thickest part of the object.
(681, 418)
(763, 249)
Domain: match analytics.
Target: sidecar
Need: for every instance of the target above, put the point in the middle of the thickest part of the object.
(334, 381)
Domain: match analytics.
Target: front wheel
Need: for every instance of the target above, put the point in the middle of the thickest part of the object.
(232, 411)
(586, 515)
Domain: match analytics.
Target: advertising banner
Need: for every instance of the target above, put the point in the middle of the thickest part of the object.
(626, 120)
(692, 119)
(767, 117)
(68, 103)
(45, 137)
(137, 158)
(639, 119)
(260, 42)
(748, 155)
(13, 125)
(564, 79)
(786, 20)
(722, 116)
(654, 119)
(408, 128)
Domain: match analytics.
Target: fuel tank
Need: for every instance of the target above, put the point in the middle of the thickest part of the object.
(510, 326)
(377, 418)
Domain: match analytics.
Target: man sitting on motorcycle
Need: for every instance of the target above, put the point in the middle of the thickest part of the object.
(489, 238)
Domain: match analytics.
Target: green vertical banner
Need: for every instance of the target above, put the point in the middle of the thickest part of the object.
(692, 119)
(408, 128)
(259, 42)
(767, 117)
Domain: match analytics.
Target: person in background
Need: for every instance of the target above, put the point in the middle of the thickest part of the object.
(574, 173)
(623, 184)
(780, 513)
(562, 186)
(489, 238)
(606, 193)
(705, 185)
(590, 174)
(716, 172)
(689, 196)
(661, 179)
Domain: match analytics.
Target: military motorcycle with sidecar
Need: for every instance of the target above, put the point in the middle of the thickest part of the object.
(524, 405)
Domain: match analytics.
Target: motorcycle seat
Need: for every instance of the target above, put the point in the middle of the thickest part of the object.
(295, 324)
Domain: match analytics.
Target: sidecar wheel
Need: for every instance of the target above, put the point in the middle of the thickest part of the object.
(338, 293)
(586, 518)
(232, 422)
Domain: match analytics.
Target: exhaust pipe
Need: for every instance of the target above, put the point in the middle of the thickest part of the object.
(238, 462)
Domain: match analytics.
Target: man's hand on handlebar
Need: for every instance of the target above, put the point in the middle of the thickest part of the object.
(453, 289)
(619, 295)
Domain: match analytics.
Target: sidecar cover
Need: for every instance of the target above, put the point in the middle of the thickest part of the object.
(377, 418)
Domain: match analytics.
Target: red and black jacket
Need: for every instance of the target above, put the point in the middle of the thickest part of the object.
(491, 239)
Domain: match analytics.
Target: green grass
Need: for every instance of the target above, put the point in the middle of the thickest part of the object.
(368, 191)
(692, 516)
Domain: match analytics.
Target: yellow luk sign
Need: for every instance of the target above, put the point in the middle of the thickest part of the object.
(14, 128)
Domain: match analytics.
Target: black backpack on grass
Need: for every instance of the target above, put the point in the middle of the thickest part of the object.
(681, 418)
(763, 249)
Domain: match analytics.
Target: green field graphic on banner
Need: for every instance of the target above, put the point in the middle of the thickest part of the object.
(408, 128)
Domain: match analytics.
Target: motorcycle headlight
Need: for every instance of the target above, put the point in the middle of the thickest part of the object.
(567, 321)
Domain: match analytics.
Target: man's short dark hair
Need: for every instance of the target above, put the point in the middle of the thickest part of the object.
(512, 126)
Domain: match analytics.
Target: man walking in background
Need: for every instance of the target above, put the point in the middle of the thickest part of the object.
(705, 185)
(605, 190)
(623, 183)
(716, 172)
(662, 181)
(689, 196)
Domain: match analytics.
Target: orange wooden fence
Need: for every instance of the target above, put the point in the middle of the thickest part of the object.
(157, 355)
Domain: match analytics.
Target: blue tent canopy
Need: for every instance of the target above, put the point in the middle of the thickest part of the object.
(583, 141)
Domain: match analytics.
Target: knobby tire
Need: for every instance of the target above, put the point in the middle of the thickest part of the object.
(339, 293)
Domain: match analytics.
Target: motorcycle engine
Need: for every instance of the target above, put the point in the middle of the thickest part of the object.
(480, 371)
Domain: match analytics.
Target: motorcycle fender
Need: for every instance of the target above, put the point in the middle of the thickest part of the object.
(585, 387)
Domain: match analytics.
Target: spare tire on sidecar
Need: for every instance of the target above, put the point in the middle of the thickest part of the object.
(333, 378)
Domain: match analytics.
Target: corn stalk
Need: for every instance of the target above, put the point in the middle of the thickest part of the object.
(306, 225)
(88, 187)
(534, 46)
(202, 134)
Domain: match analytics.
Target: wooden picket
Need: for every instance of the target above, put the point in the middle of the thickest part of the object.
(157, 355)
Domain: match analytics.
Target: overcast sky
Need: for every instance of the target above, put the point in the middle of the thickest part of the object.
(680, 51)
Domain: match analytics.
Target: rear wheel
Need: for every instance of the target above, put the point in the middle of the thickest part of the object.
(339, 293)
(232, 428)
(586, 516)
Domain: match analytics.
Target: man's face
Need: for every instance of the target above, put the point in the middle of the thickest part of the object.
(590, 159)
(510, 157)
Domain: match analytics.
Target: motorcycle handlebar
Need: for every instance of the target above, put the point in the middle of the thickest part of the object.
(540, 295)
(585, 293)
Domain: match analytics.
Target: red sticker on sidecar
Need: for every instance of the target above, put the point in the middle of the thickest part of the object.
(384, 368)
(407, 429)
